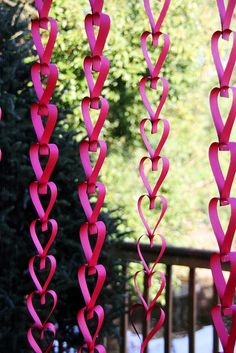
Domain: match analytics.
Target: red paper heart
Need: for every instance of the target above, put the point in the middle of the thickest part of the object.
(102, 21)
(44, 133)
(34, 194)
(42, 288)
(43, 251)
(50, 70)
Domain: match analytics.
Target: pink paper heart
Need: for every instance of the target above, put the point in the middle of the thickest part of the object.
(143, 87)
(44, 133)
(34, 194)
(223, 130)
(44, 95)
(165, 133)
(155, 69)
(43, 250)
(224, 239)
(102, 21)
(44, 52)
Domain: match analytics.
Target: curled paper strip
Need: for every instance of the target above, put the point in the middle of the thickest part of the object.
(224, 181)
(43, 230)
(93, 153)
(158, 163)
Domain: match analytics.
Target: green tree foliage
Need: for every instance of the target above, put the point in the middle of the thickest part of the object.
(17, 211)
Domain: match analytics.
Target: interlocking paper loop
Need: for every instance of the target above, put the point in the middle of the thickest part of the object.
(158, 163)
(224, 181)
(93, 153)
(43, 230)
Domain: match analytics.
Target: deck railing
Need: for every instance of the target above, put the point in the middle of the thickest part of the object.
(190, 258)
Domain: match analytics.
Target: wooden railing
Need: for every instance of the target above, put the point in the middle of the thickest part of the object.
(190, 258)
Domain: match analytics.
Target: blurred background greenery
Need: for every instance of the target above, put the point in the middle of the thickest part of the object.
(188, 187)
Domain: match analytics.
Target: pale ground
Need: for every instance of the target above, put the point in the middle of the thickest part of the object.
(204, 343)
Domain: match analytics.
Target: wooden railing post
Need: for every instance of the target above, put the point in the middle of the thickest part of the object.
(125, 318)
(192, 309)
(169, 306)
(145, 323)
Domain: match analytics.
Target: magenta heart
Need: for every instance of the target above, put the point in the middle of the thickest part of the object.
(44, 52)
(224, 74)
(92, 255)
(102, 21)
(43, 7)
(156, 25)
(83, 325)
(223, 130)
(227, 338)
(92, 214)
(226, 14)
(151, 233)
(44, 95)
(44, 133)
(33, 343)
(98, 64)
(155, 69)
(43, 251)
(155, 153)
(225, 290)
(224, 184)
(34, 193)
(43, 175)
(142, 88)
(50, 261)
(33, 311)
(224, 239)
(164, 170)
(91, 298)
(94, 131)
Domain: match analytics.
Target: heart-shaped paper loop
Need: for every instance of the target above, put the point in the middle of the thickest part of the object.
(154, 330)
(34, 194)
(43, 7)
(33, 311)
(142, 258)
(226, 14)
(224, 74)
(152, 201)
(91, 298)
(96, 6)
(227, 338)
(156, 26)
(223, 129)
(155, 69)
(50, 261)
(102, 21)
(44, 52)
(224, 184)
(49, 327)
(94, 130)
(42, 251)
(91, 213)
(92, 255)
(224, 239)
(43, 133)
(98, 64)
(154, 115)
(92, 172)
(149, 306)
(83, 324)
(50, 71)
(155, 130)
(50, 150)
(155, 163)
(225, 290)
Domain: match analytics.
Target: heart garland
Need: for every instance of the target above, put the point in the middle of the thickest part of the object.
(43, 157)
(153, 168)
(92, 192)
(224, 181)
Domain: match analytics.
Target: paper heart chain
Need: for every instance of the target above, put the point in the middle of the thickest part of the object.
(43, 192)
(92, 192)
(224, 147)
(154, 167)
